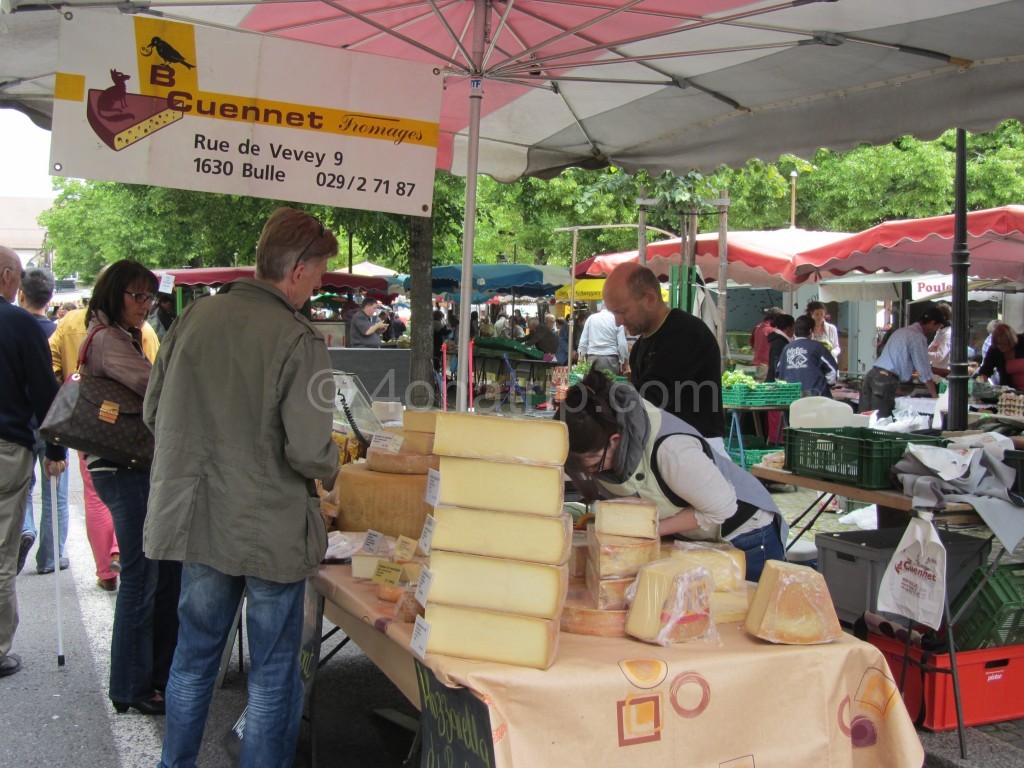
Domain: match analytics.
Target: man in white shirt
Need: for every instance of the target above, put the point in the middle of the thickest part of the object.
(603, 343)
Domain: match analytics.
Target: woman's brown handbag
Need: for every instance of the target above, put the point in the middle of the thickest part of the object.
(99, 417)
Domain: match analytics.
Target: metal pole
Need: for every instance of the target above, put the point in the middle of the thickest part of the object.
(960, 261)
(476, 95)
(56, 566)
(572, 294)
(723, 272)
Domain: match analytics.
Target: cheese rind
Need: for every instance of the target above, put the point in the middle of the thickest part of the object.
(792, 606)
(501, 438)
(405, 462)
(728, 565)
(672, 603)
(390, 504)
(581, 617)
(618, 556)
(607, 594)
(534, 538)
(417, 442)
(496, 584)
(506, 638)
(578, 555)
(626, 517)
(419, 421)
(500, 486)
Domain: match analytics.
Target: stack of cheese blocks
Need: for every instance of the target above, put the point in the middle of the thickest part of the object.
(386, 492)
(501, 542)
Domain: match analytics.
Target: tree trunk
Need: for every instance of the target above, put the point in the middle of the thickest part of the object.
(421, 260)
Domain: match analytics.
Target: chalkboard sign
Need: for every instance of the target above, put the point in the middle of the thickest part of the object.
(456, 726)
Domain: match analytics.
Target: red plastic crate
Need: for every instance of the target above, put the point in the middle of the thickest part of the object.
(991, 684)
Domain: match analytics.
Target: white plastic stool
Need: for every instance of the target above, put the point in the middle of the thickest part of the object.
(803, 552)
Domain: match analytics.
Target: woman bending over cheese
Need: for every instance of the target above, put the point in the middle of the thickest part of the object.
(620, 445)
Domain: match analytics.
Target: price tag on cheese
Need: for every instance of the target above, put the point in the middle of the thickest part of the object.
(420, 635)
(382, 441)
(428, 534)
(423, 586)
(433, 494)
(387, 572)
(166, 283)
(374, 542)
(405, 549)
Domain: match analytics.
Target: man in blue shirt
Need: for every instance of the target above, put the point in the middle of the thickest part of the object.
(27, 388)
(807, 361)
(905, 353)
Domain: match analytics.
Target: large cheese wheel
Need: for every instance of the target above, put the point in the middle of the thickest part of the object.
(792, 606)
(390, 504)
(581, 617)
(405, 462)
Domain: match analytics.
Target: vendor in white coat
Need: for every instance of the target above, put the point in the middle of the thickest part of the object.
(620, 445)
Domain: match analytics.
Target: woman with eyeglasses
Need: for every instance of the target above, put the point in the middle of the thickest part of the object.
(145, 616)
(620, 445)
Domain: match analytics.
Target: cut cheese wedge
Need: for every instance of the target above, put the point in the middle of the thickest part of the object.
(626, 517)
(405, 462)
(607, 594)
(496, 584)
(581, 617)
(503, 487)
(390, 504)
(364, 566)
(618, 556)
(732, 607)
(728, 565)
(534, 538)
(501, 438)
(672, 603)
(792, 606)
(419, 421)
(417, 442)
(506, 638)
(578, 555)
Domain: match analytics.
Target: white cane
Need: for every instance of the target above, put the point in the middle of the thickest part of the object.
(56, 563)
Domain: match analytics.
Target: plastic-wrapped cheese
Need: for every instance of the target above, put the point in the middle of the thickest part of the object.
(617, 556)
(535, 538)
(506, 638)
(728, 565)
(390, 504)
(626, 517)
(501, 438)
(672, 603)
(497, 584)
(792, 606)
(501, 486)
(607, 594)
(405, 462)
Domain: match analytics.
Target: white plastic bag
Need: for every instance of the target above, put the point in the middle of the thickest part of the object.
(914, 582)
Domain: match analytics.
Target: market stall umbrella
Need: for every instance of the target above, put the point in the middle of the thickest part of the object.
(759, 258)
(523, 279)
(995, 238)
(220, 275)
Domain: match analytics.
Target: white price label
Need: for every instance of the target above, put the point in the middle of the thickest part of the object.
(423, 586)
(428, 534)
(405, 549)
(166, 283)
(420, 635)
(374, 542)
(382, 441)
(396, 443)
(433, 487)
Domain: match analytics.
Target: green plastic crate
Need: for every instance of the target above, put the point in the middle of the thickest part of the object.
(768, 393)
(576, 378)
(754, 450)
(855, 455)
(996, 617)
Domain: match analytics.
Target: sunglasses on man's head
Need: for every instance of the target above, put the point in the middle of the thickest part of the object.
(319, 235)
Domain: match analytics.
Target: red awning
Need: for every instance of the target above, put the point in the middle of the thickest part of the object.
(221, 275)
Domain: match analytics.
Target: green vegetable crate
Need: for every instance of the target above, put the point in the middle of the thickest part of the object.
(754, 450)
(856, 455)
(768, 393)
(996, 616)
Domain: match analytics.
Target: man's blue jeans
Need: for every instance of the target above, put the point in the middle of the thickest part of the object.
(44, 553)
(760, 546)
(273, 617)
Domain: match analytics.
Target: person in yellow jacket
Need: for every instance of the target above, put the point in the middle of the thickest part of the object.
(99, 527)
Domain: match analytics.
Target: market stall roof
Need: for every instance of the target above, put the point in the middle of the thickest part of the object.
(524, 279)
(995, 238)
(657, 84)
(762, 259)
(221, 275)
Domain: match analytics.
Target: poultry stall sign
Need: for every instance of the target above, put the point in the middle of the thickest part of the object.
(150, 101)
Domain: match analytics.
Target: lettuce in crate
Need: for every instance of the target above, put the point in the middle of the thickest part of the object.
(738, 379)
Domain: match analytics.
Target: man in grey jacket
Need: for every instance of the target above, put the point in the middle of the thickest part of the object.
(241, 401)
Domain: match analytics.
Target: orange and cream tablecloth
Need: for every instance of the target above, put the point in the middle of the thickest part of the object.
(617, 701)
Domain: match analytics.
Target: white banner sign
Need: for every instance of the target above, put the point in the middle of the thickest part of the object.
(149, 101)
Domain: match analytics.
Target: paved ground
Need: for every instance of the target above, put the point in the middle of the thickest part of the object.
(60, 716)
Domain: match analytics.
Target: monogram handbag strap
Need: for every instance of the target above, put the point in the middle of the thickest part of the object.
(85, 345)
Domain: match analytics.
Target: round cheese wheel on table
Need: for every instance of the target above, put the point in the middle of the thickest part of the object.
(402, 463)
(388, 503)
